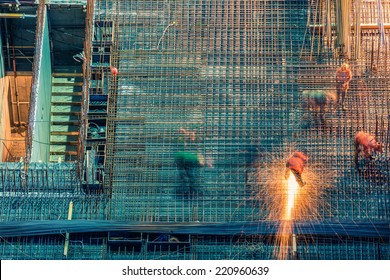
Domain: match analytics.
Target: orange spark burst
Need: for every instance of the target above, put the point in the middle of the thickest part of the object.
(284, 201)
(292, 192)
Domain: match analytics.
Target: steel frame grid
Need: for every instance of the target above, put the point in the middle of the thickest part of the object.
(228, 116)
(94, 246)
(227, 108)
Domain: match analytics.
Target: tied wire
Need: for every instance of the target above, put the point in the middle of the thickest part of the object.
(163, 35)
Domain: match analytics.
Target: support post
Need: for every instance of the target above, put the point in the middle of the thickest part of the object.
(66, 246)
(294, 246)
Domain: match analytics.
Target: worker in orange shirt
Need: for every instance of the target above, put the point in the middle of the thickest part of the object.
(295, 164)
(343, 77)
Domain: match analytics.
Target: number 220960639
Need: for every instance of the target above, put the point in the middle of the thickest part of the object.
(226, 270)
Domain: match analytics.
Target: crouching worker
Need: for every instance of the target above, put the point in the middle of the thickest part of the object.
(295, 164)
(188, 164)
(318, 102)
(366, 143)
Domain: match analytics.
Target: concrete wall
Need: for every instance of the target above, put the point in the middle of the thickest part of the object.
(39, 124)
(5, 130)
(23, 84)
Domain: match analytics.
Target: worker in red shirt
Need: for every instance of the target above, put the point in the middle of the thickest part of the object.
(114, 70)
(295, 164)
(367, 144)
(343, 77)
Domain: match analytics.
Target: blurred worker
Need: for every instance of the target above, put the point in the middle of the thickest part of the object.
(114, 70)
(188, 160)
(188, 164)
(295, 164)
(252, 161)
(343, 77)
(366, 143)
(319, 101)
(189, 135)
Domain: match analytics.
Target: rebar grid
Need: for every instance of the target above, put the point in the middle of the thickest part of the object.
(233, 72)
(100, 246)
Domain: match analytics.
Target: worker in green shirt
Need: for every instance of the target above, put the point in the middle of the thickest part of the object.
(188, 160)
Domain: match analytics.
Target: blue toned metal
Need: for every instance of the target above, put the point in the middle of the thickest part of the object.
(221, 81)
(266, 228)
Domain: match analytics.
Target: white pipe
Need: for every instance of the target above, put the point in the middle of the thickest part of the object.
(66, 246)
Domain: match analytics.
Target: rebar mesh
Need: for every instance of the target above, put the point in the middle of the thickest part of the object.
(233, 72)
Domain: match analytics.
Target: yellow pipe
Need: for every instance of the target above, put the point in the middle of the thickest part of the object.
(11, 15)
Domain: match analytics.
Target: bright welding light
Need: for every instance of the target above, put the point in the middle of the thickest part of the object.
(292, 191)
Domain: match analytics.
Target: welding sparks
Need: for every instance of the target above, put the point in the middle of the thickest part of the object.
(285, 201)
(292, 191)
(286, 226)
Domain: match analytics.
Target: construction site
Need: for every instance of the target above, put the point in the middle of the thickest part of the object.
(164, 129)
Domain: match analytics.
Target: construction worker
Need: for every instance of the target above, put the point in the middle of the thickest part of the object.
(319, 101)
(343, 77)
(114, 70)
(188, 160)
(366, 143)
(295, 164)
